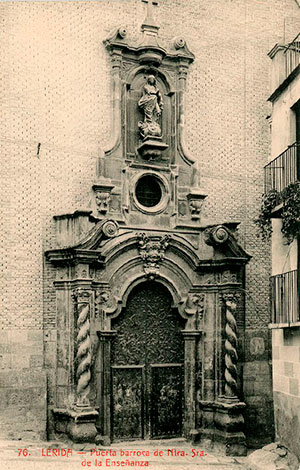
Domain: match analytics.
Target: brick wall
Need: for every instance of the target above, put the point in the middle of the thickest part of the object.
(56, 92)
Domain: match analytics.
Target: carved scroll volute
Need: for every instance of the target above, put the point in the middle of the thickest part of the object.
(217, 235)
(231, 356)
(82, 303)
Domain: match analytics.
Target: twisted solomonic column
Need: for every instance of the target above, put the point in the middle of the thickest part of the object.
(231, 356)
(83, 347)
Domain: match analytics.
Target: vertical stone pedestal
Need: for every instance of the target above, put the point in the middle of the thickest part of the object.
(79, 424)
(207, 432)
(229, 426)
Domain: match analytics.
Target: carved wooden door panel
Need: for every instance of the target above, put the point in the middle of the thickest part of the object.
(147, 366)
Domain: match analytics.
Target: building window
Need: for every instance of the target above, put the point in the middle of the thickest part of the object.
(285, 297)
(148, 191)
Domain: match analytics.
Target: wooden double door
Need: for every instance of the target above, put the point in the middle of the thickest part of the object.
(147, 367)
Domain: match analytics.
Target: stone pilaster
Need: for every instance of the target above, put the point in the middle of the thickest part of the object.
(190, 370)
(104, 424)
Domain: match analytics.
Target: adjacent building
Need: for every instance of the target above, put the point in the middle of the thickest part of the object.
(282, 180)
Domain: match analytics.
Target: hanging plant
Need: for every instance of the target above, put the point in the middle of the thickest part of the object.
(264, 221)
(291, 211)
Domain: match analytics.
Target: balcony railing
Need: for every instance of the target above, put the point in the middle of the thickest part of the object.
(285, 297)
(292, 55)
(283, 170)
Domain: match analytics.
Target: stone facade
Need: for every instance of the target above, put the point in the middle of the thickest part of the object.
(286, 377)
(59, 93)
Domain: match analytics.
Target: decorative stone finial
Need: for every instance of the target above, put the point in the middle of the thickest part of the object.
(149, 22)
(150, 51)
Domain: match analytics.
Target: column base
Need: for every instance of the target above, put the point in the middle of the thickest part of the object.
(194, 436)
(79, 424)
(229, 426)
(223, 426)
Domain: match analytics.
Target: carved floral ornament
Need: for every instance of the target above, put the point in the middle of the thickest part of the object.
(102, 297)
(152, 251)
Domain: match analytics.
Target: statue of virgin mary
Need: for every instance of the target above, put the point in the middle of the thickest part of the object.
(151, 104)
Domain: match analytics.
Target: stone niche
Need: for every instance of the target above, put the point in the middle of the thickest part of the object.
(144, 226)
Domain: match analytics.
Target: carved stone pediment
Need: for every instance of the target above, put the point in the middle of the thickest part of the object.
(87, 249)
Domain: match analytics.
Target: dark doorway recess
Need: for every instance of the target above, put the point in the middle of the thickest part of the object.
(147, 366)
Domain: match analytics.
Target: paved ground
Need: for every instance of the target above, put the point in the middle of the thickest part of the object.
(19, 455)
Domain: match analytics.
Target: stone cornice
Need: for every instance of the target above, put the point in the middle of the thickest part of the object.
(212, 263)
(154, 52)
(72, 255)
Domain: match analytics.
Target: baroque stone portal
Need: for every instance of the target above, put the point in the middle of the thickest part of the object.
(144, 293)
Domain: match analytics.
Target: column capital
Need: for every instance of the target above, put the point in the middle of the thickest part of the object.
(106, 334)
(81, 294)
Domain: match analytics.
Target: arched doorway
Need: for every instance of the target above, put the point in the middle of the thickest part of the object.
(147, 366)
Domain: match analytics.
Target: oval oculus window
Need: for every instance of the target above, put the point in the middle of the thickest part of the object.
(148, 191)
